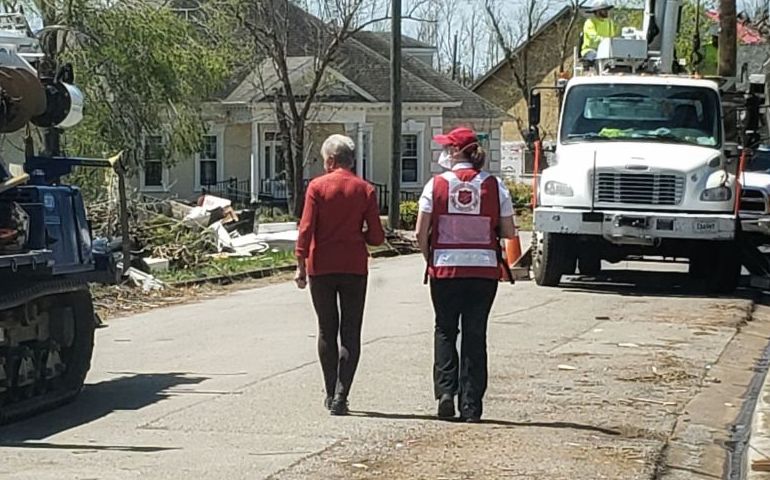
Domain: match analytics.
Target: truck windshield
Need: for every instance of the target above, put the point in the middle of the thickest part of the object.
(623, 112)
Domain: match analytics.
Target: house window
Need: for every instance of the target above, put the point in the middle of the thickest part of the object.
(152, 177)
(410, 158)
(208, 161)
(274, 163)
(528, 165)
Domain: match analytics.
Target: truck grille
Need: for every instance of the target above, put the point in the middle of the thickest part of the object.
(752, 201)
(639, 188)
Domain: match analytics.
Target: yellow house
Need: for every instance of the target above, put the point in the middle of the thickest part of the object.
(243, 147)
(540, 61)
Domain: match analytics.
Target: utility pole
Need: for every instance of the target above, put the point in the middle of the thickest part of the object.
(454, 59)
(394, 207)
(728, 41)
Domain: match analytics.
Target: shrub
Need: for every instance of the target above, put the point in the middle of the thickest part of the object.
(521, 193)
(409, 211)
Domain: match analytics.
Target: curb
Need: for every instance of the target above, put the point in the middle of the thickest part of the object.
(269, 271)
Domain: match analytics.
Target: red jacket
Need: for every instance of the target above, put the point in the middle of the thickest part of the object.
(331, 234)
(466, 214)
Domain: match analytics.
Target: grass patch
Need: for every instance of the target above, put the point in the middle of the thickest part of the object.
(227, 266)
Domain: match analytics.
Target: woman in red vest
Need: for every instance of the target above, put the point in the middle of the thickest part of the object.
(463, 214)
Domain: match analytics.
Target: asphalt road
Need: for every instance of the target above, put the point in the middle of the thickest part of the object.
(589, 380)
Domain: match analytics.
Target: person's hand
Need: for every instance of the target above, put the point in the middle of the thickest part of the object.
(300, 278)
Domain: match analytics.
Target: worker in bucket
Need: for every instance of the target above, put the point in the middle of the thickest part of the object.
(597, 28)
(463, 213)
(340, 218)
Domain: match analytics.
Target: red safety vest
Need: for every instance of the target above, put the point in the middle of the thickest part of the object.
(466, 213)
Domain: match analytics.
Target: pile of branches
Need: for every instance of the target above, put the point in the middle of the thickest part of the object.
(153, 232)
(184, 245)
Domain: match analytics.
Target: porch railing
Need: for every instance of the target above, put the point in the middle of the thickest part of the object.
(383, 196)
(276, 192)
(237, 191)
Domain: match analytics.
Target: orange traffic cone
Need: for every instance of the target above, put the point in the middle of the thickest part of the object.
(513, 249)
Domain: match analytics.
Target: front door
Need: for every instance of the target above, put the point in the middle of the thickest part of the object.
(273, 166)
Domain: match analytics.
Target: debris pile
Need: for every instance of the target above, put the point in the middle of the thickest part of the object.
(173, 236)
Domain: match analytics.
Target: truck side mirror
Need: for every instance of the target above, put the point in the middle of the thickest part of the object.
(534, 109)
(751, 121)
(731, 152)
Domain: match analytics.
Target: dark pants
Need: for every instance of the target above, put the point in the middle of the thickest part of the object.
(339, 363)
(468, 300)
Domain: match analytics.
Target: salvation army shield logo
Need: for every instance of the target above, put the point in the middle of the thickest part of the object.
(464, 198)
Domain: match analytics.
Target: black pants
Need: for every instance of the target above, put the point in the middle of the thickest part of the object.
(468, 300)
(339, 363)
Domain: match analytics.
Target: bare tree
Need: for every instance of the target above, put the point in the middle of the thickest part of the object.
(575, 6)
(515, 39)
(279, 30)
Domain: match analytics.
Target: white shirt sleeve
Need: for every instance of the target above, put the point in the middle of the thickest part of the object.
(506, 203)
(426, 199)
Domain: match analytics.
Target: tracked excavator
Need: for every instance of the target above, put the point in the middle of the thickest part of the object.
(647, 161)
(47, 255)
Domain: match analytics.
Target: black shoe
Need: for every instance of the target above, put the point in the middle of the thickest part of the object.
(471, 419)
(328, 402)
(339, 406)
(446, 406)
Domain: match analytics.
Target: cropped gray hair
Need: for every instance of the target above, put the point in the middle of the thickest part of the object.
(341, 148)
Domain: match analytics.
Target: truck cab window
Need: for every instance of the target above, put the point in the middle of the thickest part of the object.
(626, 112)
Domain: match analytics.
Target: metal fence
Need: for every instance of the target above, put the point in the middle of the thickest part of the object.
(237, 191)
(276, 192)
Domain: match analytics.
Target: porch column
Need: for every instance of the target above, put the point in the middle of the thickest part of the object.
(360, 150)
(255, 170)
(356, 132)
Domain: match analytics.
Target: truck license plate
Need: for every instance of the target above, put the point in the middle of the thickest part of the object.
(705, 226)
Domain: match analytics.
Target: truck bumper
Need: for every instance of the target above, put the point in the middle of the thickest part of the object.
(631, 227)
(757, 224)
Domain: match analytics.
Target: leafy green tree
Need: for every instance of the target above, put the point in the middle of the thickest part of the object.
(144, 70)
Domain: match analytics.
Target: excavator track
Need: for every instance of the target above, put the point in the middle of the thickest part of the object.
(46, 344)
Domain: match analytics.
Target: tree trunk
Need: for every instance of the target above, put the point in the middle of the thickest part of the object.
(728, 43)
(297, 172)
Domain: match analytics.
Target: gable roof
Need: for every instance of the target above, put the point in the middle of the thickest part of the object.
(264, 82)
(551, 21)
(363, 61)
(473, 105)
(406, 41)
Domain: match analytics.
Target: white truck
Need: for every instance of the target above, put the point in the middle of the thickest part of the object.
(641, 167)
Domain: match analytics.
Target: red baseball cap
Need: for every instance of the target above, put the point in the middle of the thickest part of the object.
(459, 137)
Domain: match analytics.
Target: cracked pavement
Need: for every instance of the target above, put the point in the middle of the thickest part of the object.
(591, 380)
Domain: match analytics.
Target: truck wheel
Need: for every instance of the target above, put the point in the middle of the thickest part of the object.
(552, 257)
(724, 269)
(699, 266)
(589, 264)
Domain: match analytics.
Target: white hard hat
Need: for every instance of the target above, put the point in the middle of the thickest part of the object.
(599, 5)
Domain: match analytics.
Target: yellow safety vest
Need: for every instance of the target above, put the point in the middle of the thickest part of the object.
(594, 30)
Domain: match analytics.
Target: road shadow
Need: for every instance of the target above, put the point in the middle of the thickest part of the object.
(638, 283)
(131, 392)
(485, 421)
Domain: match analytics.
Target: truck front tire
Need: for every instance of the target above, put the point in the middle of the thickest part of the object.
(589, 264)
(717, 267)
(552, 256)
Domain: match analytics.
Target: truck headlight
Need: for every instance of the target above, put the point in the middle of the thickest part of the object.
(716, 194)
(558, 189)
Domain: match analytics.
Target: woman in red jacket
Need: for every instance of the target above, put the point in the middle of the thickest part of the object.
(340, 219)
